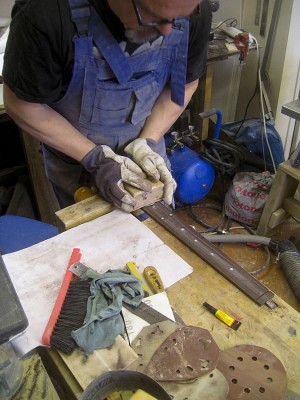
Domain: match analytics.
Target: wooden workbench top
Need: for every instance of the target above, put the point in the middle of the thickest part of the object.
(276, 330)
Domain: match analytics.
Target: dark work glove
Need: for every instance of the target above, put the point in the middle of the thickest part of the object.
(110, 171)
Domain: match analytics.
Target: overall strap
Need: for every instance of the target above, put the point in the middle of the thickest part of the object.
(80, 15)
(110, 49)
(178, 72)
(88, 22)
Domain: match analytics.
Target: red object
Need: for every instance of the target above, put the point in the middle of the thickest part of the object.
(69, 276)
(242, 43)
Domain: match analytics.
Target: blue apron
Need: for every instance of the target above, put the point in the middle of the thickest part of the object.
(112, 93)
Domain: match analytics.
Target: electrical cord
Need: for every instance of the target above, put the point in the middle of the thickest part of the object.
(233, 23)
(254, 93)
(247, 107)
(263, 110)
(219, 208)
(265, 241)
(209, 228)
(225, 157)
(266, 263)
(214, 234)
(259, 87)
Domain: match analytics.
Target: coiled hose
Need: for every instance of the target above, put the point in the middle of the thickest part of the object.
(266, 242)
(289, 260)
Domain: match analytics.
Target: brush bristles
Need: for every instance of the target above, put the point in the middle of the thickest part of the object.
(71, 316)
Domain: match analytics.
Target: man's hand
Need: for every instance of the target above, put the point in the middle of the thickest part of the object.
(152, 164)
(110, 171)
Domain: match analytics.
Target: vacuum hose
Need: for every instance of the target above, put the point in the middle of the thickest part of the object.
(289, 260)
(238, 239)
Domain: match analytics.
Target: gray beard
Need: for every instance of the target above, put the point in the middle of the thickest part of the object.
(142, 34)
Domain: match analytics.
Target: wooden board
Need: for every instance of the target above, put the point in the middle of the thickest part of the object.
(94, 207)
(285, 184)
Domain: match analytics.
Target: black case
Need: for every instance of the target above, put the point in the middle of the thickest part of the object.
(13, 319)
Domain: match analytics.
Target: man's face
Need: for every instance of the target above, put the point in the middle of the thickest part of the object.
(150, 11)
(142, 34)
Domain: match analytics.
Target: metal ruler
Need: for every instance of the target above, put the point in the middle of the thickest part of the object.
(147, 313)
(211, 254)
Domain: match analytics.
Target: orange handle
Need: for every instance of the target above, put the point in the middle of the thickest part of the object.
(69, 276)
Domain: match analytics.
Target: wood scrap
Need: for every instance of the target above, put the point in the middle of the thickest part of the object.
(93, 207)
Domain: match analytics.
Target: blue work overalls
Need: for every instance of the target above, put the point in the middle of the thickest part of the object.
(112, 93)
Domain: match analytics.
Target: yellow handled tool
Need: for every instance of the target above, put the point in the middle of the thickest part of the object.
(153, 279)
(141, 395)
(131, 266)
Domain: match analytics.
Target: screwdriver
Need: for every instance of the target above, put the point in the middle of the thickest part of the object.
(153, 280)
(131, 266)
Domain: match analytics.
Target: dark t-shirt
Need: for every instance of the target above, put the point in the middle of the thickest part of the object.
(39, 54)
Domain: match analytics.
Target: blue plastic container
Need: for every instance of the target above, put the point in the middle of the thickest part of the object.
(193, 175)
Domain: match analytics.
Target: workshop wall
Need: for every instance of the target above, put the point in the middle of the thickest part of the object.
(227, 73)
(237, 83)
(5, 7)
(282, 65)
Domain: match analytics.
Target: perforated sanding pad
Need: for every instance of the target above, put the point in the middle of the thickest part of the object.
(212, 385)
(253, 372)
(187, 353)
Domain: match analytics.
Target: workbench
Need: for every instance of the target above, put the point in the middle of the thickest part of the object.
(272, 329)
(276, 330)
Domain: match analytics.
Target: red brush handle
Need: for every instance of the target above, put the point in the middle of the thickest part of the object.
(69, 276)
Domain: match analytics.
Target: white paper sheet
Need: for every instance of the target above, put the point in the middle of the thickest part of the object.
(107, 242)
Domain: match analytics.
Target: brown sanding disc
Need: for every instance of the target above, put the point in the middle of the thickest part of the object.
(149, 340)
(253, 372)
(187, 353)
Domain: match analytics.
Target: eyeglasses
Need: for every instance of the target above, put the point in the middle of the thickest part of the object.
(153, 23)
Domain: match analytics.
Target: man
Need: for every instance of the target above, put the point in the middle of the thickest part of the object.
(99, 83)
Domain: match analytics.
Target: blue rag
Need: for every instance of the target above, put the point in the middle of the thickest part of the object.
(103, 321)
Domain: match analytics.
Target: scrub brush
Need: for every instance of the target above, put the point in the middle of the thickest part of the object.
(69, 310)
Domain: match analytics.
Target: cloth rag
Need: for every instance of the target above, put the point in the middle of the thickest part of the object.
(103, 321)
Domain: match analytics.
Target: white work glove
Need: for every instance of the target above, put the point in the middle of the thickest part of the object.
(109, 171)
(152, 164)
